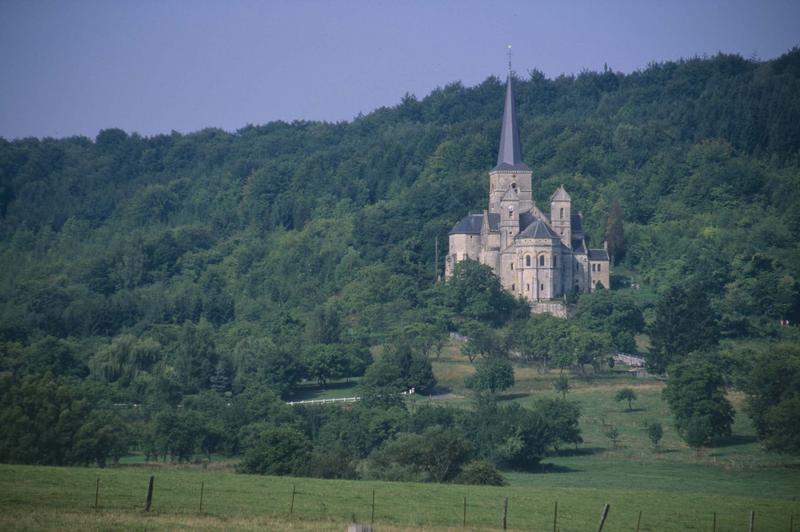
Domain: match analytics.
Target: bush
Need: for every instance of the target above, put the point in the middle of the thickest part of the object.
(481, 473)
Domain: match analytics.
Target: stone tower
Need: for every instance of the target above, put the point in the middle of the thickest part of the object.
(560, 215)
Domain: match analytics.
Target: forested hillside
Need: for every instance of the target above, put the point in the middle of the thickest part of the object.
(151, 269)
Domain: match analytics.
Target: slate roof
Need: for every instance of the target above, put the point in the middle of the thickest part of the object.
(509, 155)
(598, 254)
(526, 218)
(577, 246)
(473, 223)
(539, 229)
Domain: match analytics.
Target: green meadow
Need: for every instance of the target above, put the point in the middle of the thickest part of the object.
(36, 497)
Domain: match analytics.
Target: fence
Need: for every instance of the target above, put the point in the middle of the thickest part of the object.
(402, 504)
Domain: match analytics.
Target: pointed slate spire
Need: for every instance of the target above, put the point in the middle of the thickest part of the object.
(509, 156)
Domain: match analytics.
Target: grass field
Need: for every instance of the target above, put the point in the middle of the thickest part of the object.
(674, 487)
(33, 497)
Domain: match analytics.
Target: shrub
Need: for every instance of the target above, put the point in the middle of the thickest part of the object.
(481, 473)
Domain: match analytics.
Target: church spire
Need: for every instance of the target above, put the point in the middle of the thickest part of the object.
(509, 156)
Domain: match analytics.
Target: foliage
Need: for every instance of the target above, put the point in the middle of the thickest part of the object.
(612, 433)
(613, 312)
(400, 369)
(626, 394)
(561, 385)
(480, 473)
(773, 389)
(435, 455)
(654, 433)
(277, 451)
(695, 393)
(159, 271)
(615, 233)
(492, 375)
(475, 292)
(684, 322)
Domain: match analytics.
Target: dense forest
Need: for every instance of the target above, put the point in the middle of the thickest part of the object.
(214, 271)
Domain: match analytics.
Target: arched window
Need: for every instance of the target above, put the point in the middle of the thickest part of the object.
(598, 267)
(512, 265)
(561, 213)
(527, 260)
(541, 260)
(512, 287)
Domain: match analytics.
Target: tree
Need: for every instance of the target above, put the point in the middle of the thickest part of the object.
(626, 394)
(561, 385)
(325, 362)
(475, 292)
(612, 433)
(492, 375)
(773, 394)
(277, 451)
(615, 233)
(399, 370)
(613, 312)
(695, 394)
(435, 455)
(482, 340)
(563, 420)
(655, 432)
(684, 322)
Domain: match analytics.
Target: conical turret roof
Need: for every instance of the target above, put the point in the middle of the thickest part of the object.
(509, 156)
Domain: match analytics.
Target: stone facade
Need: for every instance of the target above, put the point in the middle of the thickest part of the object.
(537, 256)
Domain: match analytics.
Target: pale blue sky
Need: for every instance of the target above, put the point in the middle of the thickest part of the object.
(75, 67)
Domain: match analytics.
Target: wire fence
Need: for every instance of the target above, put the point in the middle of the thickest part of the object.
(422, 505)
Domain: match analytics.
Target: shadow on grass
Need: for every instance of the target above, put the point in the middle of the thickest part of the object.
(580, 451)
(513, 396)
(553, 468)
(734, 439)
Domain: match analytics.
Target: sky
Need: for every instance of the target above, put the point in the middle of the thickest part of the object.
(154, 66)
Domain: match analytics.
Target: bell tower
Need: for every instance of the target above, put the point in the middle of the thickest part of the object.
(510, 176)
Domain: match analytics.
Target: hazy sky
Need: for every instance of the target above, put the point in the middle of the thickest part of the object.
(75, 67)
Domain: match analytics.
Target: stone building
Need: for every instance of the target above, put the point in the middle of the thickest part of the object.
(537, 256)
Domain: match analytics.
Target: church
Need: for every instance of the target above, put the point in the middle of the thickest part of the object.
(537, 256)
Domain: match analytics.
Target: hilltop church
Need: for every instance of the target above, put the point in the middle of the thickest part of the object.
(537, 256)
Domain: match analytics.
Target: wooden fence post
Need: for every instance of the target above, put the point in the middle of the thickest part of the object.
(149, 494)
(555, 517)
(603, 518)
(372, 517)
(714, 524)
(96, 493)
(202, 485)
(464, 525)
(291, 505)
(752, 520)
(791, 522)
(639, 521)
(505, 512)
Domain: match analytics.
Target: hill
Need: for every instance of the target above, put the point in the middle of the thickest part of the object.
(222, 269)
